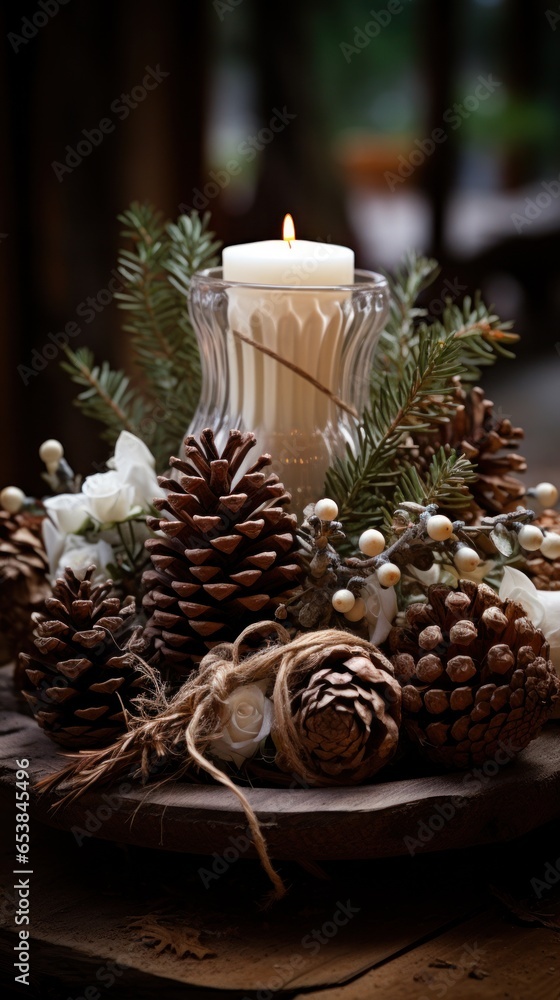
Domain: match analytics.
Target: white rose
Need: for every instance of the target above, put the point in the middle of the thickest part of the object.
(248, 715)
(67, 512)
(542, 607)
(107, 498)
(78, 554)
(135, 465)
(381, 608)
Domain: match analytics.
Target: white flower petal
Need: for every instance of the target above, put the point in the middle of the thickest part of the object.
(78, 554)
(67, 512)
(381, 608)
(250, 714)
(135, 464)
(107, 497)
(542, 607)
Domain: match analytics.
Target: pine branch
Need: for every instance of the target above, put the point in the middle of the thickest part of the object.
(414, 379)
(445, 483)
(106, 396)
(157, 271)
(156, 267)
(399, 336)
(359, 482)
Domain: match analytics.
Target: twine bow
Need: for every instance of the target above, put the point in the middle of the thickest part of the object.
(196, 715)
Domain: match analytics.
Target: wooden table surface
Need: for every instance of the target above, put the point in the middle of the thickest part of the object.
(478, 923)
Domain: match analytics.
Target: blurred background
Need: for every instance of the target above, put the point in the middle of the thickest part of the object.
(386, 125)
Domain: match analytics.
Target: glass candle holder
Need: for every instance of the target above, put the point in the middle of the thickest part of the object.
(289, 363)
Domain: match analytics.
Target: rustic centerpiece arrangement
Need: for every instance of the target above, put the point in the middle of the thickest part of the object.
(358, 579)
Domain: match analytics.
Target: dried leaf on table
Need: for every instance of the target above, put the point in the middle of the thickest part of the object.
(180, 940)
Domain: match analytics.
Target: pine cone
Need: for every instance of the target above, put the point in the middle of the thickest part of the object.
(545, 573)
(228, 555)
(23, 579)
(82, 672)
(489, 443)
(346, 716)
(475, 673)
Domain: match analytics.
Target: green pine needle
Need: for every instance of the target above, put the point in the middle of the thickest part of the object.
(156, 265)
(413, 382)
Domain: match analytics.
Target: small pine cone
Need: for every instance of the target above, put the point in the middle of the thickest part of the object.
(475, 673)
(346, 715)
(226, 555)
(23, 579)
(545, 573)
(489, 442)
(83, 672)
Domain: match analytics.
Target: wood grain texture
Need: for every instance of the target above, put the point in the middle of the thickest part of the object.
(435, 813)
(84, 896)
(481, 959)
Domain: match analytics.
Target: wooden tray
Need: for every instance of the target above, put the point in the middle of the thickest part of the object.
(392, 818)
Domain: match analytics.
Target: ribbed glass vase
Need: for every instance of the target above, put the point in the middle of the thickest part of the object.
(290, 363)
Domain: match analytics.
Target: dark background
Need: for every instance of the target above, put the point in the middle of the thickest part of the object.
(229, 66)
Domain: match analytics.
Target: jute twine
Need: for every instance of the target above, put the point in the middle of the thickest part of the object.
(197, 714)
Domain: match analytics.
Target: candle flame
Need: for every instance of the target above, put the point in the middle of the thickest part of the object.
(288, 229)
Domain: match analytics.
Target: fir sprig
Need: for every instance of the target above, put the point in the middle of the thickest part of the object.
(445, 483)
(156, 266)
(413, 385)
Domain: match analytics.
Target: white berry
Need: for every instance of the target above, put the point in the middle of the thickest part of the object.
(550, 547)
(12, 499)
(388, 574)
(466, 559)
(439, 527)
(546, 494)
(50, 452)
(530, 537)
(357, 612)
(326, 510)
(371, 542)
(343, 601)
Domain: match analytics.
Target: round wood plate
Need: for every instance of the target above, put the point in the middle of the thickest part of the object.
(407, 816)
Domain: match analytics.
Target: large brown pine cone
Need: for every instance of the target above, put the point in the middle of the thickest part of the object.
(545, 573)
(227, 556)
(23, 579)
(476, 675)
(83, 672)
(346, 717)
(489, 442)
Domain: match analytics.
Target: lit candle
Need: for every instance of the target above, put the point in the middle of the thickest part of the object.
(303, 322)
(289, 261)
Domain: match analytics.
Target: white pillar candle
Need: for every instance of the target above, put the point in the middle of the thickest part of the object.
(303, 325)
(289, 262)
